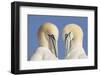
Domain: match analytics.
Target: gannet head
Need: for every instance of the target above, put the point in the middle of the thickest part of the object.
(72, 36)
(48, 37)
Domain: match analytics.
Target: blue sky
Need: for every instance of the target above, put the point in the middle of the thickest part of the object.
(35, 21)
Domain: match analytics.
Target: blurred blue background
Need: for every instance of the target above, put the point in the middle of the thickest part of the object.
(35, 21)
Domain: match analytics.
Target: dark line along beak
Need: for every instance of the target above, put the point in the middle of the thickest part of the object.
(53, 42)
(68, 44)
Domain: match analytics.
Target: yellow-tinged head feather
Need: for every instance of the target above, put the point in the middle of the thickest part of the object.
(75, 29)
(47, 28)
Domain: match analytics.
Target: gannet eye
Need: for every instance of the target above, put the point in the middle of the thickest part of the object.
(51, 36)
(66, 35)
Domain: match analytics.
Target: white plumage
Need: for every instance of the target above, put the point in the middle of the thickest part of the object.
(43, 53)
(73, 38)
(47, 36)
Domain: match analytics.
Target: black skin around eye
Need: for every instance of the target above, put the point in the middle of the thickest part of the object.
(66, 35)
(51, 36)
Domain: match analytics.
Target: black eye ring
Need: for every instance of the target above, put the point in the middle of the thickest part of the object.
(66, 35)
(51, 36)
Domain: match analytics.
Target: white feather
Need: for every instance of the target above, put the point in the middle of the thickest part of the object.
(76, 53)
(43, 53)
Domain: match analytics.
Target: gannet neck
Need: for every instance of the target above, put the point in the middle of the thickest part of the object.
(43, 42)
(76, 45)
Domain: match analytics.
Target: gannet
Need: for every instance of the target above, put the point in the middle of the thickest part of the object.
(47, 38)
(73, 39)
